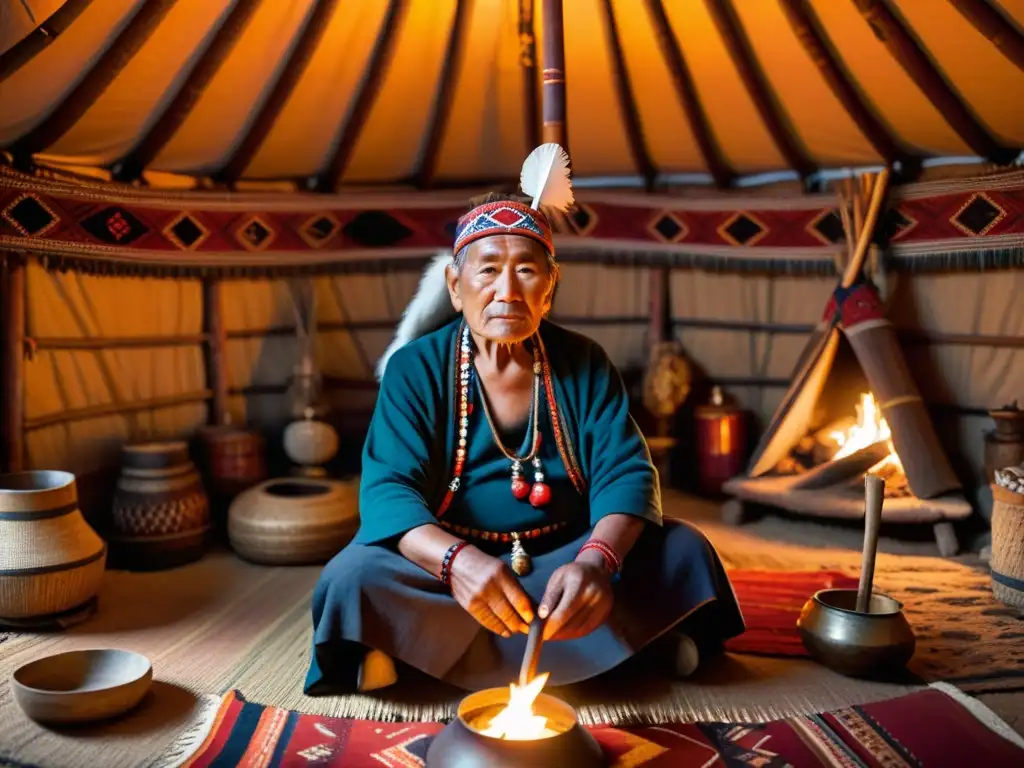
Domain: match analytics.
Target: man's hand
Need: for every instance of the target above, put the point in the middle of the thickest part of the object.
(490, 593)
(577, 601)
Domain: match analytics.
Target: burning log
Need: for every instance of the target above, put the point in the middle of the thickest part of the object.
(839, 470)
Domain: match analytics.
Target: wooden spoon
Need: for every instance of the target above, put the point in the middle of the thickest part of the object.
(874, 494)
(534, 643)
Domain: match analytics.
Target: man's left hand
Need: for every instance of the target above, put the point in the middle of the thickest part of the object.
(577, 601)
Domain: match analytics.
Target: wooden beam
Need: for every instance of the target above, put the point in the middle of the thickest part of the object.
(1002, 33)
(85, 413)
(95, 82)
(742, 54)
(26, 49)
(627, 101)
(216, 352)
(424, 176)
(528, 64)
(290, 74)
(916, 62)
(808, 29)
(660, 321)
(329, 179)
(54, 343)
(554, 126)
(12, 362)
(686, 91)
(178, 108)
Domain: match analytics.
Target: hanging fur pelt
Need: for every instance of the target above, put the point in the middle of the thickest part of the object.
(430, 308)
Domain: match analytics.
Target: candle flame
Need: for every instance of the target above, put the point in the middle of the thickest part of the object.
(517, 721)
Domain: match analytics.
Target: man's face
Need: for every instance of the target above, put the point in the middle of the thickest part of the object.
(504, 288)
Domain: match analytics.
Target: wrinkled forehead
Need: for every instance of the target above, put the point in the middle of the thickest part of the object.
(502, 248)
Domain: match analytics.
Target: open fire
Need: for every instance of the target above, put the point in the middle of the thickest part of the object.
(517, 721)
(844, 438)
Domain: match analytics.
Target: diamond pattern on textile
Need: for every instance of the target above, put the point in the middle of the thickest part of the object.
(407, 754)
(667, 227)
(114, 226)
(978, 215)
(827, 226)
(376, 229)
(502, 218)
(742, 229)
(30, 216)
(255, 234)
(584, 218)
(894, 224)
(186, 231)
(318, 229)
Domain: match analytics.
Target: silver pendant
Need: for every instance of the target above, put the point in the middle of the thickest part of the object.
(521, 562)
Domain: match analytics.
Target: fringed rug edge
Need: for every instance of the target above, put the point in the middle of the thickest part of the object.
(194, 735)
(981, 712)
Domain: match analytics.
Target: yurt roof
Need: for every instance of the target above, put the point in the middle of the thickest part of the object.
(326, 94)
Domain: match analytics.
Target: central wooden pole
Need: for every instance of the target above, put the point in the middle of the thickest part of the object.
(553, 97)
(216, 353)
(12, 363)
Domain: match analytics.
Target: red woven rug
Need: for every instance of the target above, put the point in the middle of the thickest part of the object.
(771, 602)
(926, 728)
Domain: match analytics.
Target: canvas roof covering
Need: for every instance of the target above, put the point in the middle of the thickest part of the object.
(434, 90)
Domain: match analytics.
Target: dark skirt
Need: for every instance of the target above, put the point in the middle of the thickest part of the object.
(372, 597)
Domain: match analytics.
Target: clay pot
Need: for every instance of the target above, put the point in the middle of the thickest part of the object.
(294, 521)
(161, 514)
(310, 443)
(51, 560)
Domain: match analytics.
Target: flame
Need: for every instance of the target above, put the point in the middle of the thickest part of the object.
(517, 721)
(871, 427)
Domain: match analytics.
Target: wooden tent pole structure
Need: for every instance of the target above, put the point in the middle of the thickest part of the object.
(856, 263)
(554, 126)
(216, 352)
(12, 362)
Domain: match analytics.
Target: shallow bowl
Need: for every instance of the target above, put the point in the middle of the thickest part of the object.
(82, 686)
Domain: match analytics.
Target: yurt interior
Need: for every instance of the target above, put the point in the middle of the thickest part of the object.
(796, 230)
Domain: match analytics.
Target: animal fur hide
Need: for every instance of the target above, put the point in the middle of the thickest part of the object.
(430, 309)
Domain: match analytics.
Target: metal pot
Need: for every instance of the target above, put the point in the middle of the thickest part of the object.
(462, 745)
(876, 643)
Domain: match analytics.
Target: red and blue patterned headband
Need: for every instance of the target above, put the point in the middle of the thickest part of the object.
(503, 218)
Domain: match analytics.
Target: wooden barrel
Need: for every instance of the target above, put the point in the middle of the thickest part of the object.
(161, 514)
(51, 560)
(1007, 562)
(294, 521)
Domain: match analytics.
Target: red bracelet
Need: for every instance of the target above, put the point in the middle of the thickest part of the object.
(449, 558)
(611, 558)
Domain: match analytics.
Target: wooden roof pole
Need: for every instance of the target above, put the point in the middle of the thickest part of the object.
(12, 363)
(555, 127)
(26, 49)
(903, 47)
(866, 229)
(627, 101)
(686, 90)
(995, 27)
(528, 63)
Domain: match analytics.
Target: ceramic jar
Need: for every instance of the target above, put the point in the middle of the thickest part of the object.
(51, 560)
(310, 443)
(294, 521)
(161, 514)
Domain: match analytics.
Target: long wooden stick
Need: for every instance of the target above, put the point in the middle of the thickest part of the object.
(116, 409)
(874, 493)
(216, 354)
(874, 210)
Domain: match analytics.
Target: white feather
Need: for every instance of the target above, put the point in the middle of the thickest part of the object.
(545, 178)
(429, 309)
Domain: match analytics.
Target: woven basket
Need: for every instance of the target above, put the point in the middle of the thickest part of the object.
(51, 560)
(294, 521)
(1008, 546)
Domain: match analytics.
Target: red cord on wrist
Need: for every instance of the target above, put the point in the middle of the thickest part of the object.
(449, 558)
(611, 558)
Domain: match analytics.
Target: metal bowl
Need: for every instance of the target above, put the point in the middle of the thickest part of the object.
(82, 686)
(462, 745)
(875, 644)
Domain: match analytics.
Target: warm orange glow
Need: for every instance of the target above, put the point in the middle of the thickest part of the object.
(870, 428)
(517, 721)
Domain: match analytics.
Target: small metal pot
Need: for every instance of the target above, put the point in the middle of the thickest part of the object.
(875, 644)
(462, 745)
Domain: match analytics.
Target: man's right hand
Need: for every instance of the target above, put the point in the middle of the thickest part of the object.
(490, 593)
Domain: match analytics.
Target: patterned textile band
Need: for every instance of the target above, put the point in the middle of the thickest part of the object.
(611, 557)
(503, 218)
(449, 558)
(505, 537)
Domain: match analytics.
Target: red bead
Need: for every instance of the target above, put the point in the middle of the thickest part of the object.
(540, 495)
(520, 489)
(469, 408)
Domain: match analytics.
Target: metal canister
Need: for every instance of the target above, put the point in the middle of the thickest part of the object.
(721, 443)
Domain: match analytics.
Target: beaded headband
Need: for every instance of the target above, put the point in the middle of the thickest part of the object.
(503, 218)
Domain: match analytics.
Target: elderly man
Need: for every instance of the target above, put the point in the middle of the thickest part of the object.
(503, 477)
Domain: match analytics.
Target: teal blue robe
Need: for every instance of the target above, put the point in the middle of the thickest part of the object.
(370, 596)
